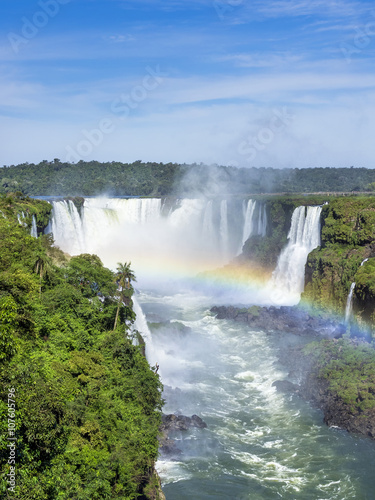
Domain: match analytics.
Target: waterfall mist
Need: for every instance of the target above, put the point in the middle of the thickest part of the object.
(164, 240)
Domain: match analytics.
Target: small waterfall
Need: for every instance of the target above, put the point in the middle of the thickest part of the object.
(248, 226)
(262, 221)
(140, 324)
(224, 235)
(304, 236)
(349, 303)
(349, 300)
(21, 219)
(34, 230)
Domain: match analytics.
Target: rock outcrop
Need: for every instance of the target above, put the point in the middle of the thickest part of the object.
(174, 423)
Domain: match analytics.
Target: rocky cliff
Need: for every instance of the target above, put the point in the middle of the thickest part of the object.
(346, 256)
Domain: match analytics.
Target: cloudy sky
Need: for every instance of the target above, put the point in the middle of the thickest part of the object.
(279, 83)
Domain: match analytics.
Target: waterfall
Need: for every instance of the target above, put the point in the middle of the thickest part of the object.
(21, 219)
(192, 235)
(224, 237)
(248, 223)
(255, 221)
(303, 237)
(349, 303)
(349, 300)
(34, 230)
(140, 324)
(208, 230)
(66, 226)
(262, 221)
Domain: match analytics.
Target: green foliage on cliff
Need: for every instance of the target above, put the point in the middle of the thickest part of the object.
(87, 404)
(349, 221)
(348, 233)
(349, 370)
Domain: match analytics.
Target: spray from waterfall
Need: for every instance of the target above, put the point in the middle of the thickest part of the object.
(140, 324)
(193, 235)
(224, 235)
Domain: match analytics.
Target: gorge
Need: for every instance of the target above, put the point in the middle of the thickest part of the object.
(258, 443)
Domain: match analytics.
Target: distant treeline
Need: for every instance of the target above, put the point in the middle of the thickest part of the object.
(89, 178)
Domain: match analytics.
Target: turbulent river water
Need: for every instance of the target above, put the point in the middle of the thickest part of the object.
(258, 444)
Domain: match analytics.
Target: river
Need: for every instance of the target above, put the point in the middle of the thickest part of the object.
(259, 443)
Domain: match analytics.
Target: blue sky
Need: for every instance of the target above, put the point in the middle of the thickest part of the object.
(282, 83)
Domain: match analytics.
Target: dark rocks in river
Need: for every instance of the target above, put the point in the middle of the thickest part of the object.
(285, 386)
(181, 423)
(176, 423)
(281, 319)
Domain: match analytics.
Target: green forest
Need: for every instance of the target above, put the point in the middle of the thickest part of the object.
(78, 399)
(56, 178)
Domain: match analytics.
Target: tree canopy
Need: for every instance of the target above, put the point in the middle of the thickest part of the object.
(87, 404)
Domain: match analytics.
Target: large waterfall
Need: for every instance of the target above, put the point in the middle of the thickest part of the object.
(259, 443)
(304, 235)
(196, 233)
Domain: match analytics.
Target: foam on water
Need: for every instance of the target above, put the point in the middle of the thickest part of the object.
(275, 443)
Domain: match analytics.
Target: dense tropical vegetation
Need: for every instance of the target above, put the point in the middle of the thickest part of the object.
(89, 178)
(87, 404)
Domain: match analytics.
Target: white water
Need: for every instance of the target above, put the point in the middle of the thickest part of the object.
(349, 300)
(289, 276)
(349, 303)
(224, 234)
(262, 221)
(259, 444)
(140, 324)
(255, 221)
(34, 231)
(249, 223)
(194, 236)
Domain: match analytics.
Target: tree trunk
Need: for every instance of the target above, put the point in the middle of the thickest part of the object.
(117, 313)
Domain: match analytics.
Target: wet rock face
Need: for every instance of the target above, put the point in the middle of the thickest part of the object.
(336, 411)
(285, 386)
(176, 423)
(315, 389)
(291, 319)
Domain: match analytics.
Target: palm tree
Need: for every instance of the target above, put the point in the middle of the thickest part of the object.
(42, 266)
(124, 276)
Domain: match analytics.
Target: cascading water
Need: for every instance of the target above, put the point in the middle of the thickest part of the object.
(304, 236)
(255, 221)
(140, 324)
(349, 303)
(248, 221)
(262, 221)
(224, 235)
(67, 228)
(194, 232)
(208, 230)
(259, 443)
(349, 300)
(34, 230)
